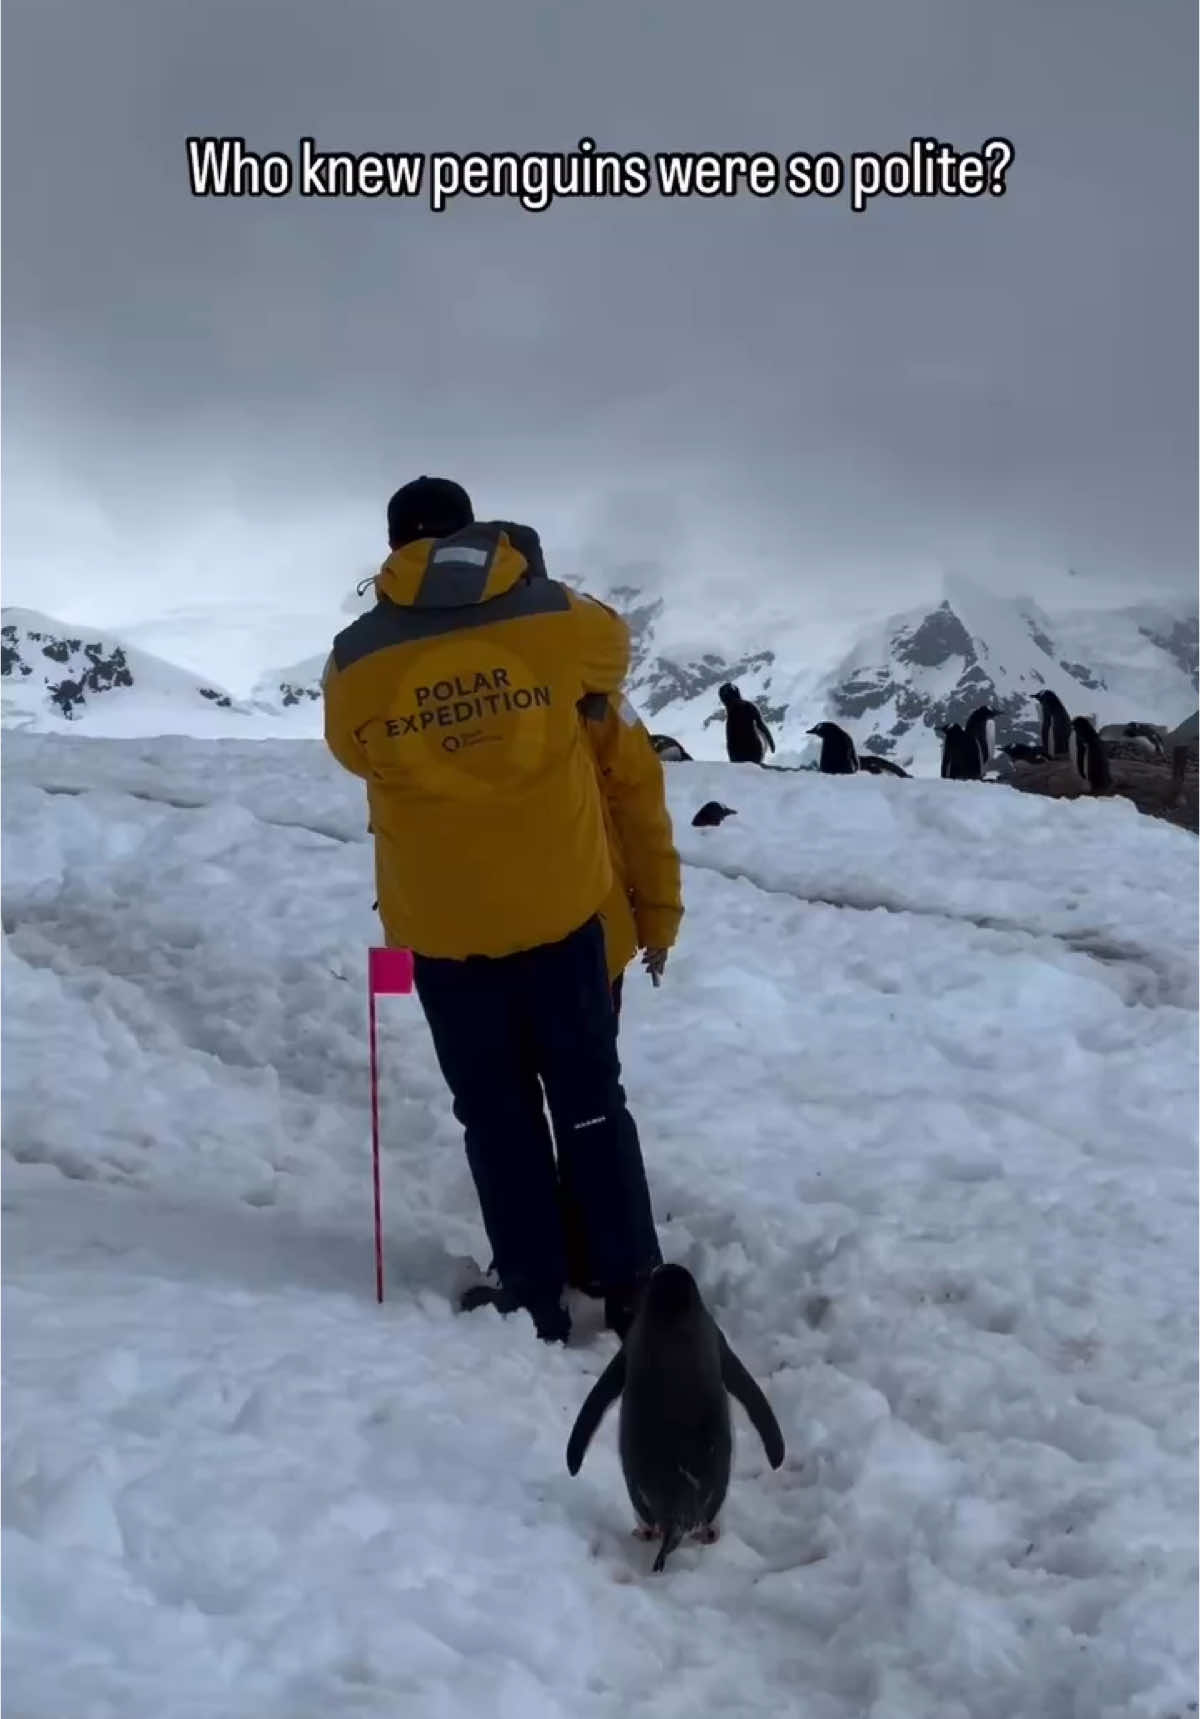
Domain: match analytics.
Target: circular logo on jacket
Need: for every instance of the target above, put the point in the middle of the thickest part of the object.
(471, 718)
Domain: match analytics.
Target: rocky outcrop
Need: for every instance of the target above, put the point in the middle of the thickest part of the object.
(1165, 789)
(72, 668)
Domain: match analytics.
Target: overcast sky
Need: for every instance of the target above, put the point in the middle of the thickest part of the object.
(210, 400)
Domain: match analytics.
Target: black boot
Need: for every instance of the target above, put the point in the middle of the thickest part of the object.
(551, 1320)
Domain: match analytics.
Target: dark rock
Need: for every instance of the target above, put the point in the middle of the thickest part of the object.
(1151, 787)
(290, 694)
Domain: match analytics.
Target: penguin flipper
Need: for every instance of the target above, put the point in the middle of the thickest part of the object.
(739, 1384)
(599, 1400)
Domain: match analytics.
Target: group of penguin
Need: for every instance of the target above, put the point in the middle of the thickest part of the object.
(747, 737)
(1066, 736)
(748, 740)
(675, 1372)
(968, 748)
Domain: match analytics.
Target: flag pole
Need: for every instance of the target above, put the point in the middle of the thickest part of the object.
(375, 1149)
(390, 973)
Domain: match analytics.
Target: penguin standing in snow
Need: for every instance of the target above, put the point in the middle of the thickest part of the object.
(746, 733)
(1056, 724)
(839, 756)
(960, 756)
(981, 732)
(674, 1375)
(1089, 757)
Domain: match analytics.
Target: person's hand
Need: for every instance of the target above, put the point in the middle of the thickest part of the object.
(655, 961)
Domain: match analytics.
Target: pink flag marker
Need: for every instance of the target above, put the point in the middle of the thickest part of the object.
(389, 974)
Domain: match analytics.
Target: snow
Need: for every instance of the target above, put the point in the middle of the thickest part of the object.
(918, 1101)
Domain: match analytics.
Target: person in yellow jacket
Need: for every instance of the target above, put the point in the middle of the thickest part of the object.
(456, 699)
(645, 905)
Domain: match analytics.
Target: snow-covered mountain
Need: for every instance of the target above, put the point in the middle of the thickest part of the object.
(296, 686)
(57, 677)
(913, 671)
(891, 682)
(923, 669)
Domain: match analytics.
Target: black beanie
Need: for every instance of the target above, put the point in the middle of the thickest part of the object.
(427, 507)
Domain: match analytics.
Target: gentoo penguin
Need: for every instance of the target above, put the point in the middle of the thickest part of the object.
(1137, 740)
(838, 754)
(981, 730)
(674, 1375)
(1056, 724)
(874, 765)
(712, 812)
(670, 749)
(1089, 757)
(1022, 754)
(1149, 733)
(745, 730)
(960, 756)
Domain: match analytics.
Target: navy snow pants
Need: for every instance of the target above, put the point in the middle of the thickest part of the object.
(579, 1272)
(504, 1030)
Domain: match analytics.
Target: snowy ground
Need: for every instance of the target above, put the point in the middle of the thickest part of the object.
(918, 1099)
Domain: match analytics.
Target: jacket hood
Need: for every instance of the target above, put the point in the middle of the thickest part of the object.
(474, 565)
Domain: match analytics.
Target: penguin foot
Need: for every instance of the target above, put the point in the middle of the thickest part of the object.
(708, 1535)
(641, 1532)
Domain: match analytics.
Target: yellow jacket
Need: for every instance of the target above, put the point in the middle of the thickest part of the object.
(456, 700)
(645, 904)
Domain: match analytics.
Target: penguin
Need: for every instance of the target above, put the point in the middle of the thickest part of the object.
(1056, 724)
(960, 756)
(1136, 740)
(712, 812)
(1147, 732)
(745, 730)
(670, 749)
(946, 750)
(838, 754)
(1089, 757)
(981, 730)
(1022, 754)
(674, 1375)
(874, 765)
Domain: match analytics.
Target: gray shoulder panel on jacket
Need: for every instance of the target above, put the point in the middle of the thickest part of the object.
(389, 624)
